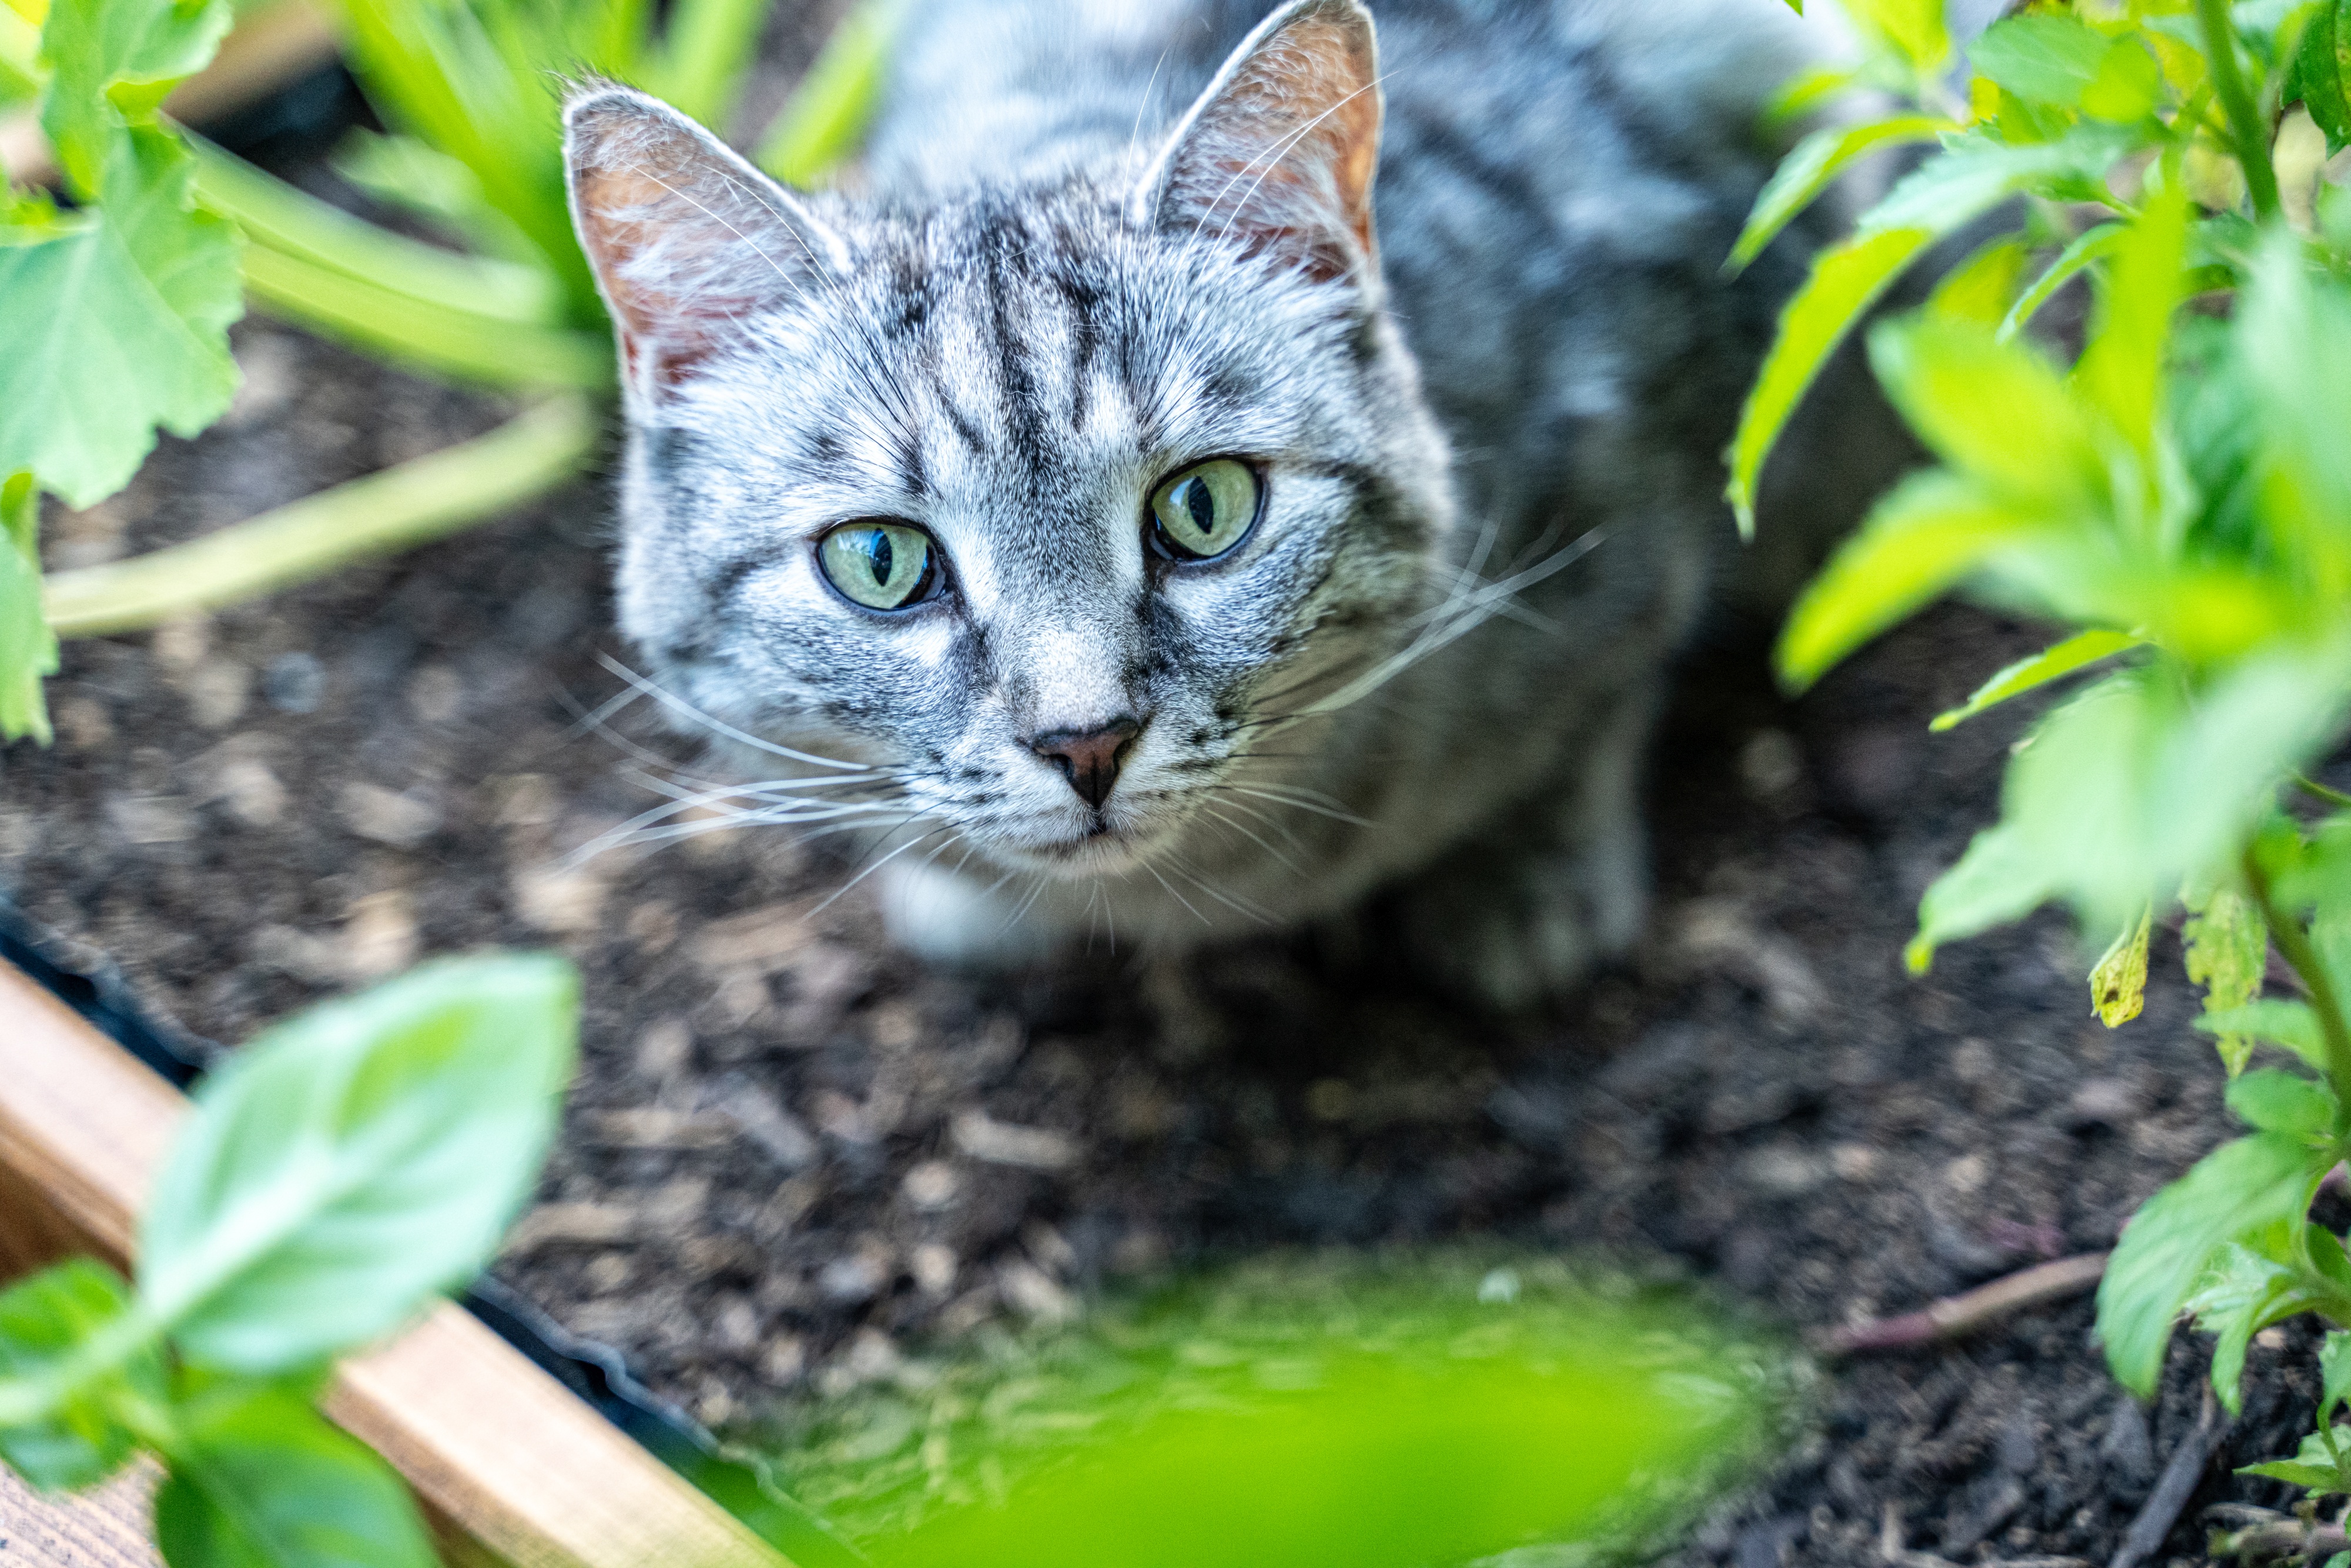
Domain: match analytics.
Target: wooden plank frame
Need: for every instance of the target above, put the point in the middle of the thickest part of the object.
(511, 1467)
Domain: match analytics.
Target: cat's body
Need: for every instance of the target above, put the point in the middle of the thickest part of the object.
(1489, 466)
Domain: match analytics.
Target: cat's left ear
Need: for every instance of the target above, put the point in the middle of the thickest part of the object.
(1278, 151)
(685, 238)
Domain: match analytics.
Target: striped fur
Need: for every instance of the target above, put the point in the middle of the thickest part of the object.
(1491, 406)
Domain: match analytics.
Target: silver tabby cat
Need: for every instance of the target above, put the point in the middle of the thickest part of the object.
(1222, 467)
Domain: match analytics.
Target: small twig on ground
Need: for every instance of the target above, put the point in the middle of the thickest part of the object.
(1971, 1309)
(2173, 1488)
(1892, 1548)
(2286, 1538)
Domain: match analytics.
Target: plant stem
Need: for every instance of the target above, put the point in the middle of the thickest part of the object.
(2294, 943)
(2312, 786)
(400, 507)
(2245, 119)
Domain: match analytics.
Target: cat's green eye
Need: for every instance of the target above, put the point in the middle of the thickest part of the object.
(883, 566)
(1204, 511)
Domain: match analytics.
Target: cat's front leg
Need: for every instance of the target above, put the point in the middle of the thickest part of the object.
(1555, 886)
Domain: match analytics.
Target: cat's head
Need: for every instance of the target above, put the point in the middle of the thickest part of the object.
(1052, 502)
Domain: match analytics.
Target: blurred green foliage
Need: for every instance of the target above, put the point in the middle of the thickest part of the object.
(2168, 484)
(1360, 1411)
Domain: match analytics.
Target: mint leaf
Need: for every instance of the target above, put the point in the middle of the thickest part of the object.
(2231, 1193)
(2321, 73)
(116, 322)
(112, 61)
(43, 1322)
(2241, 1294)
(2227, 953)
(355, 1159)
(264, 1482)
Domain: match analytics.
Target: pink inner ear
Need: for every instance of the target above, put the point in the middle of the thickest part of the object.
(1284, 155)
(686, 240)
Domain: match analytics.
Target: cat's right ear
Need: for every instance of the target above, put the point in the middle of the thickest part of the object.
(686, 239)
(1278, 152)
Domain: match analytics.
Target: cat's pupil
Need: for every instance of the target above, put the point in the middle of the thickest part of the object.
(1201, 505)
(878, 557)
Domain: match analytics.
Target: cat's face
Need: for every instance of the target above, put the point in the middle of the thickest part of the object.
(1054, 505)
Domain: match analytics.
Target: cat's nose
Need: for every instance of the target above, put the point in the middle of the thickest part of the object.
(1089, 758)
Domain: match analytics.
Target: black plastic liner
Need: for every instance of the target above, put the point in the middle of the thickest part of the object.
(737, 1481)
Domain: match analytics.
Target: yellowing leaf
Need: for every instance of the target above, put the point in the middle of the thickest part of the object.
(115, 323)
(2075, 653)
(2118, 984)
(1846, 281)
(1929, 533)
(2227, 953)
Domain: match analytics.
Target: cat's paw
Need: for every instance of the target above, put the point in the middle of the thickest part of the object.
(1510, 932)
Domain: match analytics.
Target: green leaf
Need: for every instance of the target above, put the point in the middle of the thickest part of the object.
(2089, 246)
(1998, 412)
(2276, 1101)
(2321, 73)
(1976, 173)
(2316, 1464)
(2226, 950)
(2075, 652)
(108, 56)
(1929, 533)
(2333, 1373)
(1846, 281)
(29, 652)
(1813, 163)
(1979, 289)
(2236, 1189)
(116, 323)
(1913, 27)
(2290, 1024)
(2243, 1292)
(1998, 879)
(2118, 982)
(354, 1159)
(2295, 339)
(2046, 57)
(44, 1320)
(2121, 369)
(264, 1482)
(2128, 86)
(2320, 1478)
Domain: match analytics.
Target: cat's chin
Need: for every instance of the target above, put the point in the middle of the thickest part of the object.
(1105, 851)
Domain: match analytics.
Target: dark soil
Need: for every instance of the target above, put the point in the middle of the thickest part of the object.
(795, 1158)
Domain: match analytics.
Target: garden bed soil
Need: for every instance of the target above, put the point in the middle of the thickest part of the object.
(797, 1160)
